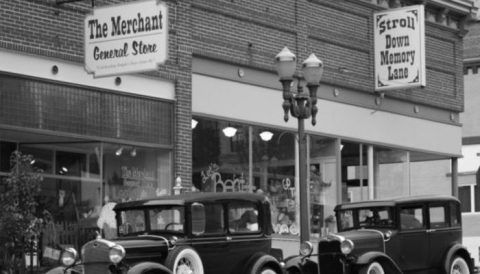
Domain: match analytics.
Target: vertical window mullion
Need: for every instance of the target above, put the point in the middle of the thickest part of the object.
(472, 198)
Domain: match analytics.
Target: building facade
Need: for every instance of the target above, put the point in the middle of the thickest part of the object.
(469, 164)
(210, 117)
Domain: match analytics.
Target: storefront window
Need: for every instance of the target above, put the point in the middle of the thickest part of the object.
(220, 156)
(263, 160)
(274, 175)
(73, 190)
(133, 173)
(354, 172)
(71, 186)
(6, 149)
(392, 172)
(71, 163)
(251, 159)
(323, 184)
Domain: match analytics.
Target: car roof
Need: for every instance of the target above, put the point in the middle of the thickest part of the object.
(191, 197)
(398, 200)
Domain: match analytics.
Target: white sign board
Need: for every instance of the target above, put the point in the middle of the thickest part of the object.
(126, 38)
(399, 36)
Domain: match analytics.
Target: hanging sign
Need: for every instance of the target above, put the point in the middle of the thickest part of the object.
(399, 36)
(126, 38)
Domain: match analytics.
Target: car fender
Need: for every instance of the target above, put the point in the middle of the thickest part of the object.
(259, 260)
(386, 261)
(301, 264)
(64, 270)
(56, 270)
(454, 250)
(149, 266)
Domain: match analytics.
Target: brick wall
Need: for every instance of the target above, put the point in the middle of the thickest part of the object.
(338, 32)
(245, 32)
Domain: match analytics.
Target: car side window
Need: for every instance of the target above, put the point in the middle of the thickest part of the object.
(133, 221)
(455, 220)
(243, 217)
(207, 219)
(411, 218)
(438, 216)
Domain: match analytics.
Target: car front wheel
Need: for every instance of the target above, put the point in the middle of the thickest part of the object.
(267, 270)
(184, 260)
(459, 266)
(372, 268)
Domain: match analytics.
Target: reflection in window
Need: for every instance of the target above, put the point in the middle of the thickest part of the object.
(71, 164)
(438, 216)
(455, 219)
(167, 219)
(43, 158)
(260, 159)
(220, 156)
(6, 149)
(243, 217)
(132, 221)
(133, 176)
(322, 184)
(214, 219)
(346, 220)
(465, 196)
(411, 218)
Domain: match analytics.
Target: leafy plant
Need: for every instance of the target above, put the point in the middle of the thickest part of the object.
(20, 224)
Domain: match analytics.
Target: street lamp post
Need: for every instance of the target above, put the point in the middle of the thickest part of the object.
(301, 105)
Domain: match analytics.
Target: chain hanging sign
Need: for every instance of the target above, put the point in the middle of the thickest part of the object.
(126, 38)
(399, 36)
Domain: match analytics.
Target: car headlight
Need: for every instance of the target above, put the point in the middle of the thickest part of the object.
(346, 246)
(173, 240)
(69, 256)
(117, 253)
(306, 248)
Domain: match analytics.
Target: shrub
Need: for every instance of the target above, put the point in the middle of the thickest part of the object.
(19, 222)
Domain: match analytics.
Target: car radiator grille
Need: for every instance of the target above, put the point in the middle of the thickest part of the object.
(95, 258)
(329, 246)
(331, 263)
(330, 258)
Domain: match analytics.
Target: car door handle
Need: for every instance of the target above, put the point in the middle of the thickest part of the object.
(229, 238)
(431, 230)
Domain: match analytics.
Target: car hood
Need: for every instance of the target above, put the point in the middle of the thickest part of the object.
(144, 246)
(364, 240)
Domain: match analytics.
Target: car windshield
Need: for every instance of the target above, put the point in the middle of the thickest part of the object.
(151, 220)
(371, 217)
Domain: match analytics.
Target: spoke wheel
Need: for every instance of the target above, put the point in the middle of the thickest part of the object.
(459, 266)
(184, 260)
(372, 268)
(267, 270)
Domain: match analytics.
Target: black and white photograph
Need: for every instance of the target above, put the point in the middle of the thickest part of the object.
(239, 136)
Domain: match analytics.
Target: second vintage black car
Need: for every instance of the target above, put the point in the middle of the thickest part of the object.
(190, 233)
(405, 235)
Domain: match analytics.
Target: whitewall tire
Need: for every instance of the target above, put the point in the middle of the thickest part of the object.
(184, 260)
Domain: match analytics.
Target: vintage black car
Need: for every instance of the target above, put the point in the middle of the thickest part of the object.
(192, 233)
(405, 235)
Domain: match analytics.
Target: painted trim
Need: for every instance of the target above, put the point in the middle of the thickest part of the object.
(259, 105)
(73, 73)
(332, 92)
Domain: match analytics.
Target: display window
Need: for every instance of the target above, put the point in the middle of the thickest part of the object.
(238, 157)
(379, 172)
(83, 180)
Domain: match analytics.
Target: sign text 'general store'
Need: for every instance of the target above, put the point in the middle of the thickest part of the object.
(123, 39)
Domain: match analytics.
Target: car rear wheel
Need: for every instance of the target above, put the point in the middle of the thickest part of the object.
(372, 268)
(184, 260)
(459, 266)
